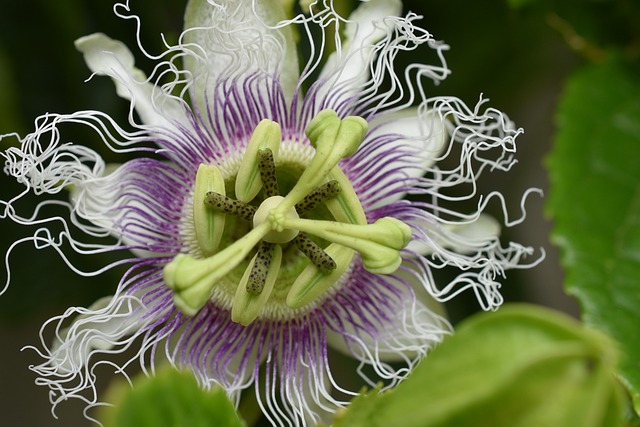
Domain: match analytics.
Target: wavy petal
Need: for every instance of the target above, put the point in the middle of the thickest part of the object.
(109, 326)
(401, 146)
(348, 69)
(135, 202)
(96, 328)
(409, 335)
(285, 361)
(463, 237)
(232, 40)
(112, 58)
(383, 322)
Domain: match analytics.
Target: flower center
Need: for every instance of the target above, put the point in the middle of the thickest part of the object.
(268, 212)
(292, 256)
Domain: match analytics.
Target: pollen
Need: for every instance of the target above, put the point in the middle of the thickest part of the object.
(267, 168)
(229, 206)
(325, 192)
(315, 253)
(258, 275)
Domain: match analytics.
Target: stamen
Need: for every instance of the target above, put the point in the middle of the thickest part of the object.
(209, 226)
(326, 191)
(267, 167)
(248, 183)
(316, 255)
(258, 274)
(192, 279)
(229, 206)
(246, 307)
(312, 282)
(333, 139)
(277, 221)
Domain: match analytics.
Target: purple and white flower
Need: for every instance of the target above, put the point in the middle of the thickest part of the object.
(263, 209)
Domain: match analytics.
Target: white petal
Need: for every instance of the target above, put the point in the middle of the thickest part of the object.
(361, 31)
(410, 141)
(412, 332)
(462, 238)
(113, 202)
(420, 133)
(482, 229)
(108, 57)
(235, 39)
(348, 68)
(100, 327)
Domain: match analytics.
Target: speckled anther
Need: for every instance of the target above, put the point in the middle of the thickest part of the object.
(267, 168)
(334, 139)
(267, 134)
(315, 253)
(325, 192)
(258, 274)
(229, 206)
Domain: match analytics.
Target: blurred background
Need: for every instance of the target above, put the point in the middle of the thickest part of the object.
(518, 58)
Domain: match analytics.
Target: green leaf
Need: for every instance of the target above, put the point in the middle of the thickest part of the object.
(518, 4)
(169, 399)
(523, 366)
(9, 120)
(595, 203)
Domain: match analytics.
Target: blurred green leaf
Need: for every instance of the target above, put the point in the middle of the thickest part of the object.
(517, 4)
(169, 399)
(8, 112)
(595, 203)
(523, 366)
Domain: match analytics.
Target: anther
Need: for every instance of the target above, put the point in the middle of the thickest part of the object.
(247, 307)
(312, 282)
(258, 274)
(267, 168)
(334, 139)
(267, 134)
(229, 206)
(326, 191)
(315, 253)
(192, 279)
